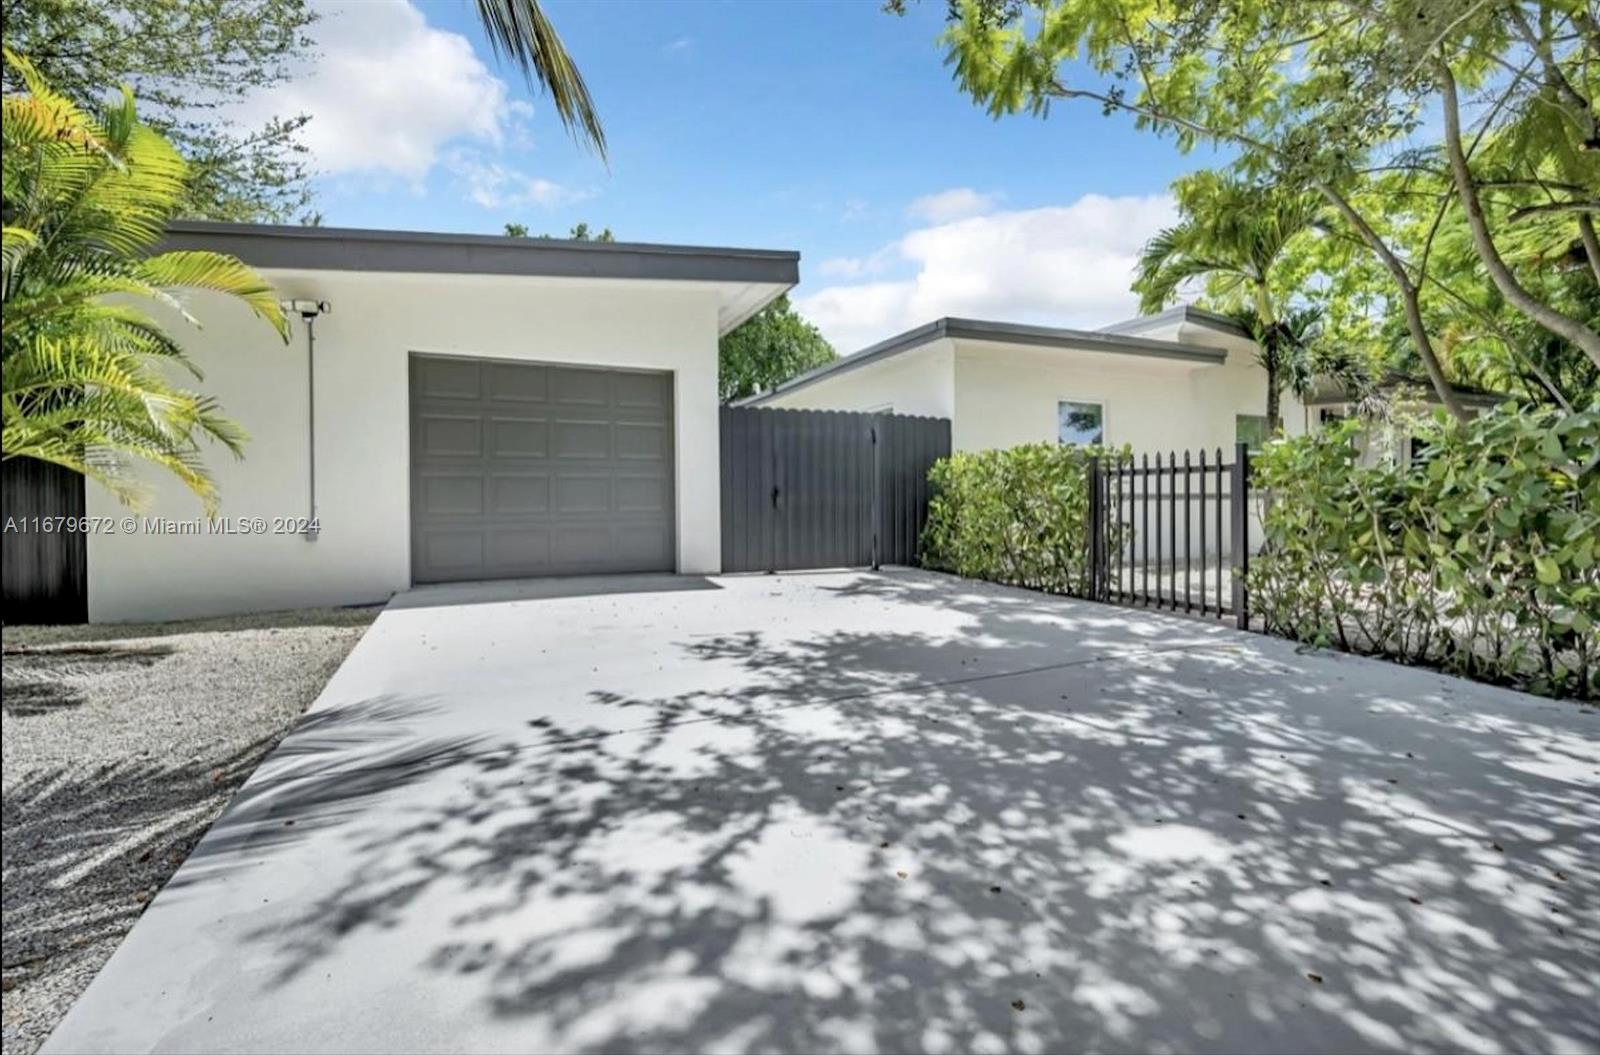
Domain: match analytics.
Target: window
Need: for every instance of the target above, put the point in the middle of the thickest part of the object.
(1251, 430)
(1080, 422)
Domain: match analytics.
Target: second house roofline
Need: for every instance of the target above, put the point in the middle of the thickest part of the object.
(1001, 332)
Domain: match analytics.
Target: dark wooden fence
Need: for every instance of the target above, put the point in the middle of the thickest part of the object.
(1173, 534)
(45, 548)
(824, 489)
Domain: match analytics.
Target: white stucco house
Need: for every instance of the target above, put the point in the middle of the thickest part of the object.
(473, 407)
(1184, 378)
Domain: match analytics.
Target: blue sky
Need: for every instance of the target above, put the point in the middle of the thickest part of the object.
(828, 127)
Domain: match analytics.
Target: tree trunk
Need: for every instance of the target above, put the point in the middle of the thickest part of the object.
(1408, 298)
(1591, 244)
(1568, 329)
(1272, 340)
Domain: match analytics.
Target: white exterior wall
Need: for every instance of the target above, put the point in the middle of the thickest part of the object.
(920, 381)
(1007, 395)
(362, 397)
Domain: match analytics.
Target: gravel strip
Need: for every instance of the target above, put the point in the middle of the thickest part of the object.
(121, 745)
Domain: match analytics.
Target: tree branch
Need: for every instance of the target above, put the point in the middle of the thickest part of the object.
(1373, 240)
(1557, 323)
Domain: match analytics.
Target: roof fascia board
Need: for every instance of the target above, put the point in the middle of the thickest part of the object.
(346, 249)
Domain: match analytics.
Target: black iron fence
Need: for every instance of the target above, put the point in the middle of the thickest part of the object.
(824, 489)
(1175, 533)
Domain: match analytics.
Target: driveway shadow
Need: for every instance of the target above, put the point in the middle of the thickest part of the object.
(1166, 837)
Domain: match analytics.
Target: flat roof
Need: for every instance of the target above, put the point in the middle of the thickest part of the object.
(1004, 333)
(1183, 313)
(356, 249)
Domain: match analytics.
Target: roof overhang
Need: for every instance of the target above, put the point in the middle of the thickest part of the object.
(746, 280)
(1183, 314)
(1007, 333)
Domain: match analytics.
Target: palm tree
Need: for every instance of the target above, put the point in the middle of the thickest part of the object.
(1231, 235)
(520, 30)
(87, 372)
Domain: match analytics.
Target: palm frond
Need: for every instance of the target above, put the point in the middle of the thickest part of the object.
(220, 273)
(521, 31)
(86, 378)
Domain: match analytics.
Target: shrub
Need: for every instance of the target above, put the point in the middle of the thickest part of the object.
(1016, 516)
(1480, 557)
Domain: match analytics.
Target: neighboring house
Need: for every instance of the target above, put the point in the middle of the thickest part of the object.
(484, 407)
(1404, 396)
(1183, 379)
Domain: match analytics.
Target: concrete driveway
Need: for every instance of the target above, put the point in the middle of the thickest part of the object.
(876, 812)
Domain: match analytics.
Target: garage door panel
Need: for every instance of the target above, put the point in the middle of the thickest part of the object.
(522, 469)
(642, 544)
(460, 550)
(452, 494)
(519, 438)
(582, 439)
(519, 494)
(642, 494)
(526, 549)
(639, 392)
(518, 383)
(583, 493)
(641, 442)
(451, 436)
(570, 387)
(448, 379)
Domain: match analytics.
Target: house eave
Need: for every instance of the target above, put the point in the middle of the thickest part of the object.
(1009, 333)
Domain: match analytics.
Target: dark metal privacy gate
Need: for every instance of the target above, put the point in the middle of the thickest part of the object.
(46, 549)
(1173, 535)
(824, 489)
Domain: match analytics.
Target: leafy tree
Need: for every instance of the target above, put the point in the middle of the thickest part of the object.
(767, 349)
(186, 61)
(1321, 94)
(85, 379)
(516, 230)
(1232, 235)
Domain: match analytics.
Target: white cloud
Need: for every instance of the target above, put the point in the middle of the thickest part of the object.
(857, 266)
(386, 92)
(1065, 265)
(954, 204)
(496, 186)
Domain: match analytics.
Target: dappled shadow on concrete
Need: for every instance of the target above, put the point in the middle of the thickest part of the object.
(1164, 838)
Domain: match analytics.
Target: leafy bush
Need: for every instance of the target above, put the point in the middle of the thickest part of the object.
(1481, 557)
(1016, 516)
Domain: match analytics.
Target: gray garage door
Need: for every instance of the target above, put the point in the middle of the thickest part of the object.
(521, 469)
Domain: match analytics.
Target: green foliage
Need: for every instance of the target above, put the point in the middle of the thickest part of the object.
(186, 61)
(767, 349)
(1483, 558)
(521, 31)
(1232, 236)
(1018, 516)
(1331, 97)
(580, 233)
(86, 198)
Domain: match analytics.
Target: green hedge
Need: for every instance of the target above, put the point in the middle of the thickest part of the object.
(1016, 516)
(1482, 557)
